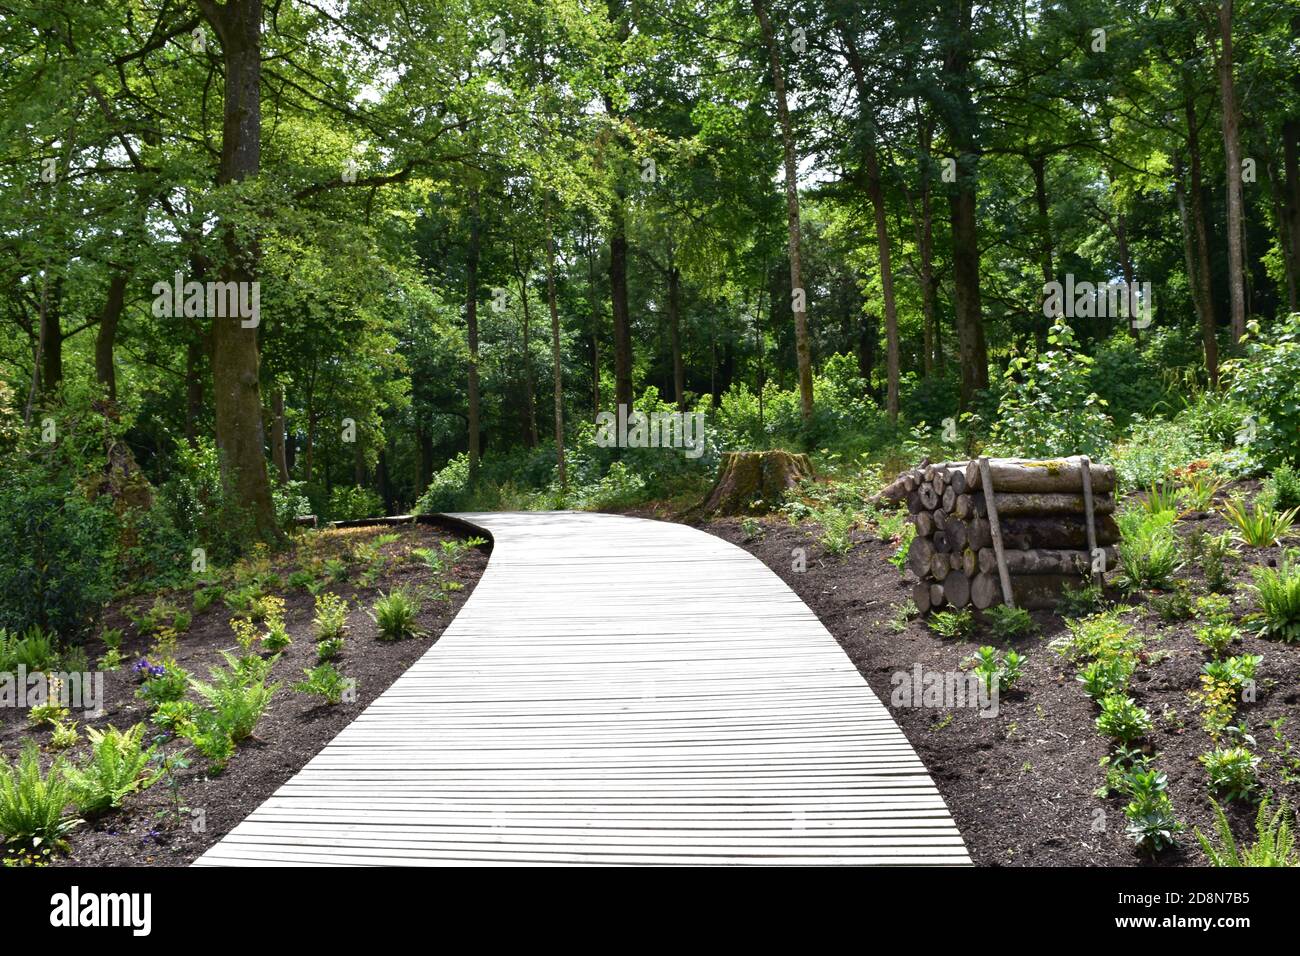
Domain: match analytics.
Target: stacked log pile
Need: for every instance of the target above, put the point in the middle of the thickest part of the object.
(1034, 512)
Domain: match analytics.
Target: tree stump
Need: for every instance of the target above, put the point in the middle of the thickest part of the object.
(753, 482)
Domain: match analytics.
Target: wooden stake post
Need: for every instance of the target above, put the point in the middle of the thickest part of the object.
(995, 529)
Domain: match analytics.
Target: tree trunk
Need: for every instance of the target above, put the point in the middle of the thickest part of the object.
(1291, 205)
(471, 332)
(875, 191)
(425, 440)
(556, 355)
(106, 336)
(803, 347)
(1277, 189)
(618, 301)
(595, 334)
(1201, 234)
(385, 485)
(194, 351)
(1040, 475)
(237, 397)
(50, 341)
(530, 398)
(1125, 264)
(968, 312)
(1204, 313)
(279, 452)
(675, 334)
(886, 286)
(1043, 226)
(925, 242)
(1231, 117)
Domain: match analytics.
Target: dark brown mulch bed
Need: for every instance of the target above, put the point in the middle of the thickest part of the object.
(295, 727)
(1021, 785)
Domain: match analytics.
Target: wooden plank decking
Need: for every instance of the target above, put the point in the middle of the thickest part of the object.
(615, 691)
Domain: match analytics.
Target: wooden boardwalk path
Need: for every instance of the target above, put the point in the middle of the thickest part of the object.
(615, 691)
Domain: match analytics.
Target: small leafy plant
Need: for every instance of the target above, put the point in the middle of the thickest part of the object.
(837, 525)
(237, 695)
(1233, 772)
(997, 670)
(1282, 489)
(1083, 600)
(1175, 605)
(325, 682)
(34, 650)
(1122, 719)
(394, 614)
(331, 618)
(162, 681)
(1107, 676)
(1218, 637)
(1008, 622)
(1216, 556)
(1151, 822)
(64, 735)
(952, 623)
(1097, 636)
(902, 616)
(1199, 490)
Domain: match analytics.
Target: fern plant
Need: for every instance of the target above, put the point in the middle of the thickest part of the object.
(1278, 591)
(1007, 622)
(237, 694)
(118, 767)
(1148, 549)
(34, 650)
(951, 623)
(1274, 840)
(33, 806)
(394, 615)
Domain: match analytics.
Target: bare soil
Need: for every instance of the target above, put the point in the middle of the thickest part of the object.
(147, 831)
(1021, 785)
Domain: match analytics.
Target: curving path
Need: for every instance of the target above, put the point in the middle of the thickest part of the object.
(615, 691)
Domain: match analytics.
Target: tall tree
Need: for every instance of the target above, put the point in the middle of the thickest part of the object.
(1230, 116)
(236, 387)
(798, 294)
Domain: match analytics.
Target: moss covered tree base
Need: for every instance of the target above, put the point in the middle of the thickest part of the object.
(753, 483)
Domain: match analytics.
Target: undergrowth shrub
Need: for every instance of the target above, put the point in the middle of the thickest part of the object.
(352, 502)
(1266, 379)
(58, 547)
(1048, 408)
